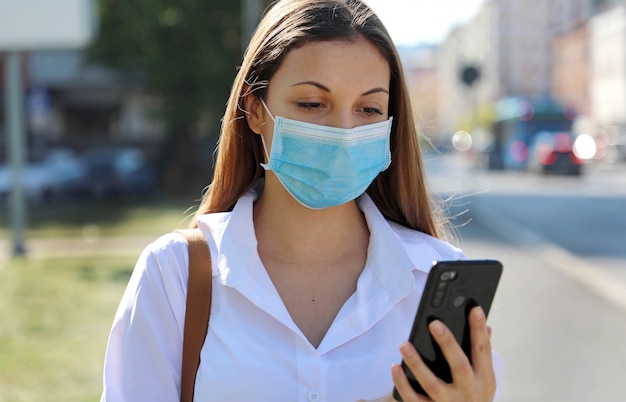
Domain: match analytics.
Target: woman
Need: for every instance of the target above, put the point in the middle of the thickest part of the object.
(321, 233)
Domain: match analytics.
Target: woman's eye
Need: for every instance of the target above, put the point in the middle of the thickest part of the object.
(371, 111)
(309, 105)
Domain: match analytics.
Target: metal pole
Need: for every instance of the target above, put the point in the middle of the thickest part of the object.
(17, 148)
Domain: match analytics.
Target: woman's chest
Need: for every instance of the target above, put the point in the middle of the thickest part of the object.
(254, 352)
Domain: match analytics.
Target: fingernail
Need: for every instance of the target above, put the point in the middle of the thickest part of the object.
(437, 327)
(478, 313)
(407, 349)
(396, 370)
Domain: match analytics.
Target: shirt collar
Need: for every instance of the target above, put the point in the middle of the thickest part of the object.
(236, 245)
(387, 257)
(234, 238)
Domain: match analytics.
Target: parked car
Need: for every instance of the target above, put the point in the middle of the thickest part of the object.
(553, 153)
(113, 171)
(57, 175)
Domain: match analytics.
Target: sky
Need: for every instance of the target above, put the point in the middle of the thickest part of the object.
(410, 22)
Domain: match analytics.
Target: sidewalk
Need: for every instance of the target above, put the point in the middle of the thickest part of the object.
(559, 342)
(608, 283)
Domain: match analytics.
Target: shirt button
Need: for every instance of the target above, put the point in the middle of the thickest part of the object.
(314, 396)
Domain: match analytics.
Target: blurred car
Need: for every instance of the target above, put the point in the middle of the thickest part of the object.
(57, 175)
(553, 153)
(117, 172)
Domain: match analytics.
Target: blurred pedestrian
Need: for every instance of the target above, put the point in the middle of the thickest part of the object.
(321, 232)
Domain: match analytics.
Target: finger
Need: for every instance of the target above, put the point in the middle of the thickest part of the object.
(427, 379)
(481, 340)
(404, 388)
(460, 366)
(482, 359)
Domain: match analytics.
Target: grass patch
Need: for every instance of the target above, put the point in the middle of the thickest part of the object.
(56, 316)
(56, 313)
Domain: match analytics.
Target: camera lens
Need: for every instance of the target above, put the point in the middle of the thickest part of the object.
(445, 276)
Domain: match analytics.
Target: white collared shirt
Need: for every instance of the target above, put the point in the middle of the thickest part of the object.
(253, 349)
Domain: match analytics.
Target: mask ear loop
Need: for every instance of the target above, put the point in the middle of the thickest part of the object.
(265, 165)
(267, 109)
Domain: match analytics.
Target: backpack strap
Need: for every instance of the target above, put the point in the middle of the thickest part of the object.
(198, 309)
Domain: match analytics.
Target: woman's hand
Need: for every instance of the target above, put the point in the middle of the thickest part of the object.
(470, 382)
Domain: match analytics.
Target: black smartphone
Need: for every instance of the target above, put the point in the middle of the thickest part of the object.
(452, 289)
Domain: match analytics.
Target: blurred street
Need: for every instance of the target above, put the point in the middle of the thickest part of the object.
(559, 317)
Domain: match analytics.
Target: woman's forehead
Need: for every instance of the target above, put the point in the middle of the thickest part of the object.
(355, 62)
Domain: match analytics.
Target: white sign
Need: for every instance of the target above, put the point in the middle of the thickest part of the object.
(46, 24)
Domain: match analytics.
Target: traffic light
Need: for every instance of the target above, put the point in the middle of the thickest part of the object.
(470, 74)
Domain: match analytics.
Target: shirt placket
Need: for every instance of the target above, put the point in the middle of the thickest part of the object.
(311, 373)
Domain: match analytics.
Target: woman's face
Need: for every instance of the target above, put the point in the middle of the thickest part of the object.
(335, 83)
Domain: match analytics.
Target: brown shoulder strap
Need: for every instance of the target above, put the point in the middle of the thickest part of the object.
(198, 309)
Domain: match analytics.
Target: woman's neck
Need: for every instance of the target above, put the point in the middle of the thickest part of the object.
(285, 226)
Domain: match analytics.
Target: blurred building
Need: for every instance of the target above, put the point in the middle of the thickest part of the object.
(511, 42)
(70, 102)
(571, 69)
(608, 79)
(86, 101)
(421, 70)
(608, 61)
(473, 44)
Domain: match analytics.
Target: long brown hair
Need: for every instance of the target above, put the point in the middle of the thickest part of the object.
(400, 192)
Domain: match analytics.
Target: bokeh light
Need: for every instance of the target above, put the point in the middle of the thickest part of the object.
(519, 151)
(585, 146)
(462, 141)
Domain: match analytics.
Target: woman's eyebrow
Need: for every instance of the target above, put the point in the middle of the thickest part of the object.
(375, 90)
(326, 89)
(314, 83)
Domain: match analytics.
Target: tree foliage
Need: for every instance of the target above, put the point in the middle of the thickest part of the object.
(185, 51)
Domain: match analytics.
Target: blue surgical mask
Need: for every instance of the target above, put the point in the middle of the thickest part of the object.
(322, 166)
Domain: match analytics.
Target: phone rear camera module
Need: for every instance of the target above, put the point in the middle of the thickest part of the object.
(448, 276)
(438, 298)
